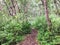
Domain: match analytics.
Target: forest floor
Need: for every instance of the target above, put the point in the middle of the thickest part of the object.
(30, 39)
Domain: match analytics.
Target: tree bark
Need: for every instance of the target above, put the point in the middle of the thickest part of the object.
(47, 14)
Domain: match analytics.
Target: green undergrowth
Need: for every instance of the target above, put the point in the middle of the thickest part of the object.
(13, 30)
(45, 37)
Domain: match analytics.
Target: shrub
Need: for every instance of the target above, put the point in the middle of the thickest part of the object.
(44, 36)
(26, 27)
(12, 30)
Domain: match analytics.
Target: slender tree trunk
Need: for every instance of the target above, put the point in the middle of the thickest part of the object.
(9, 11)
(55, 2)
(47, 14)
(14, 8)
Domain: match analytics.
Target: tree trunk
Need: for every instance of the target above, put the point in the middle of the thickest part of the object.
(9, 11)
(47, 14)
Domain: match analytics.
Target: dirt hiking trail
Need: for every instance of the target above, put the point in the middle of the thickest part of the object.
(30, 39)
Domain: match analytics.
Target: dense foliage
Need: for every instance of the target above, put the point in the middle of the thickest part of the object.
(46, 37)
(13, 31)
(18, 17)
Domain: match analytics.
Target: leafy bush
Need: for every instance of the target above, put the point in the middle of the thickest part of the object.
(40, 22)
(26, 27)
(55, 24)
(46, 37)
(12, 30)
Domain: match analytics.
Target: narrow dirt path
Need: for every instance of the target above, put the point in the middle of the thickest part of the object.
(30, 39)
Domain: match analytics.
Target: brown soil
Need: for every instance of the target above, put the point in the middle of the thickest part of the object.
(30, 39)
